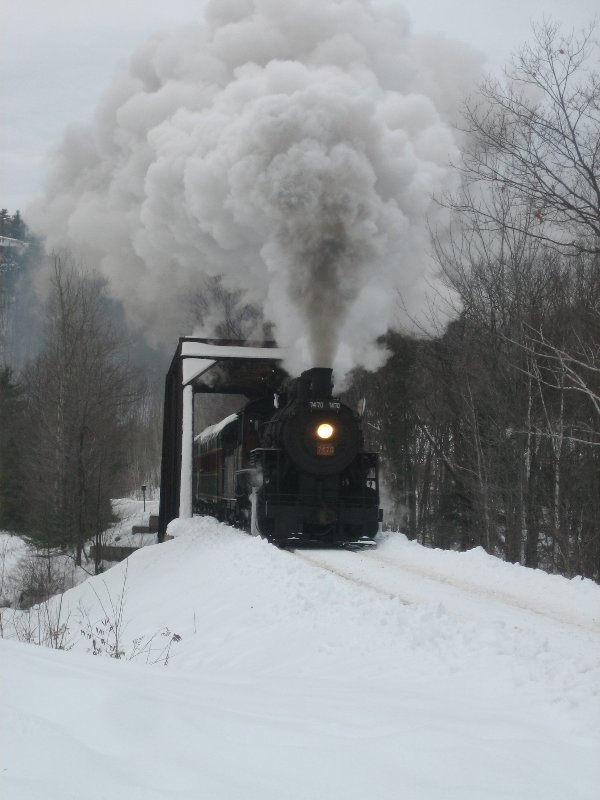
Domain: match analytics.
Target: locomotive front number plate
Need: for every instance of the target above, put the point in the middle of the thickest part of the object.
(321, 405)
(325, 450)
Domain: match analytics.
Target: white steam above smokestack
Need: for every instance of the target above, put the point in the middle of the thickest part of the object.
(293, 148)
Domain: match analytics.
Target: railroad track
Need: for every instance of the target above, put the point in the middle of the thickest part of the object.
(351, 566)
(311, 557)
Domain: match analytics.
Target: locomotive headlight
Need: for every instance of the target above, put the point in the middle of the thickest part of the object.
(325, 431)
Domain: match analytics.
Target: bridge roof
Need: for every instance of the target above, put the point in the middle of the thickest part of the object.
(227, 366)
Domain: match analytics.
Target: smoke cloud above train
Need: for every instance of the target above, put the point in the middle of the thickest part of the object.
(294, 149)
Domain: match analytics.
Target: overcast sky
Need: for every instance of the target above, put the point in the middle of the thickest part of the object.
(57, 57)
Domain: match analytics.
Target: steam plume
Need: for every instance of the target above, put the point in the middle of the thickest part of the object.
(291, 148)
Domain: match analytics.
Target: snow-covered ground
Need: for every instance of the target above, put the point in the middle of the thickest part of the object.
(250, 672)
(12, 550)
(22, 567)
(131, 512)
(17, 558)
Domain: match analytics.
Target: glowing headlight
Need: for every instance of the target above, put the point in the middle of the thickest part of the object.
(325, 431)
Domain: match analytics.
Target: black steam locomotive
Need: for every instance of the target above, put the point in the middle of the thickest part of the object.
(291, 468)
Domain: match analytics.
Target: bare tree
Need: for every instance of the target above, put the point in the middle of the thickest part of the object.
(80, 392)
(537, 135)
(517, 373)
(224, 313)
(575, 371)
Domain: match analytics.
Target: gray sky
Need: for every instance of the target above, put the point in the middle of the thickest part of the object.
(56, 59)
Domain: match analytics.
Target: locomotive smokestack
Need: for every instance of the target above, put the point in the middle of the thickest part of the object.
(318, 382)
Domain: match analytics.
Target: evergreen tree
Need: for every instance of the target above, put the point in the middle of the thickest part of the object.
(11, 453)
(4, 222)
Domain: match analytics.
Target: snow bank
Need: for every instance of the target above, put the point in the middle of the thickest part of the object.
(289, 681)
(576, 600)
(12, 550)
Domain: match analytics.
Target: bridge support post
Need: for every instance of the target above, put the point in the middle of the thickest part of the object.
(187, 441)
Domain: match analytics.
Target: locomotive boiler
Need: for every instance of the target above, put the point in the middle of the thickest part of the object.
(291, 467)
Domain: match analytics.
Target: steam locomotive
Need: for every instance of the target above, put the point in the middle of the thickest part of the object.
(291, 468)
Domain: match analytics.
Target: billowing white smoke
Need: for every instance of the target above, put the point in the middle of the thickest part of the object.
(293, 148)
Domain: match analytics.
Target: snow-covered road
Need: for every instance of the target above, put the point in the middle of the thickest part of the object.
(399, 673)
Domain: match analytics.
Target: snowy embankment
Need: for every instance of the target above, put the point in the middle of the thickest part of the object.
(400, 673)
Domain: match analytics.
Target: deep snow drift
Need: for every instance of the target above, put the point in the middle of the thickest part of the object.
(401, 673)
